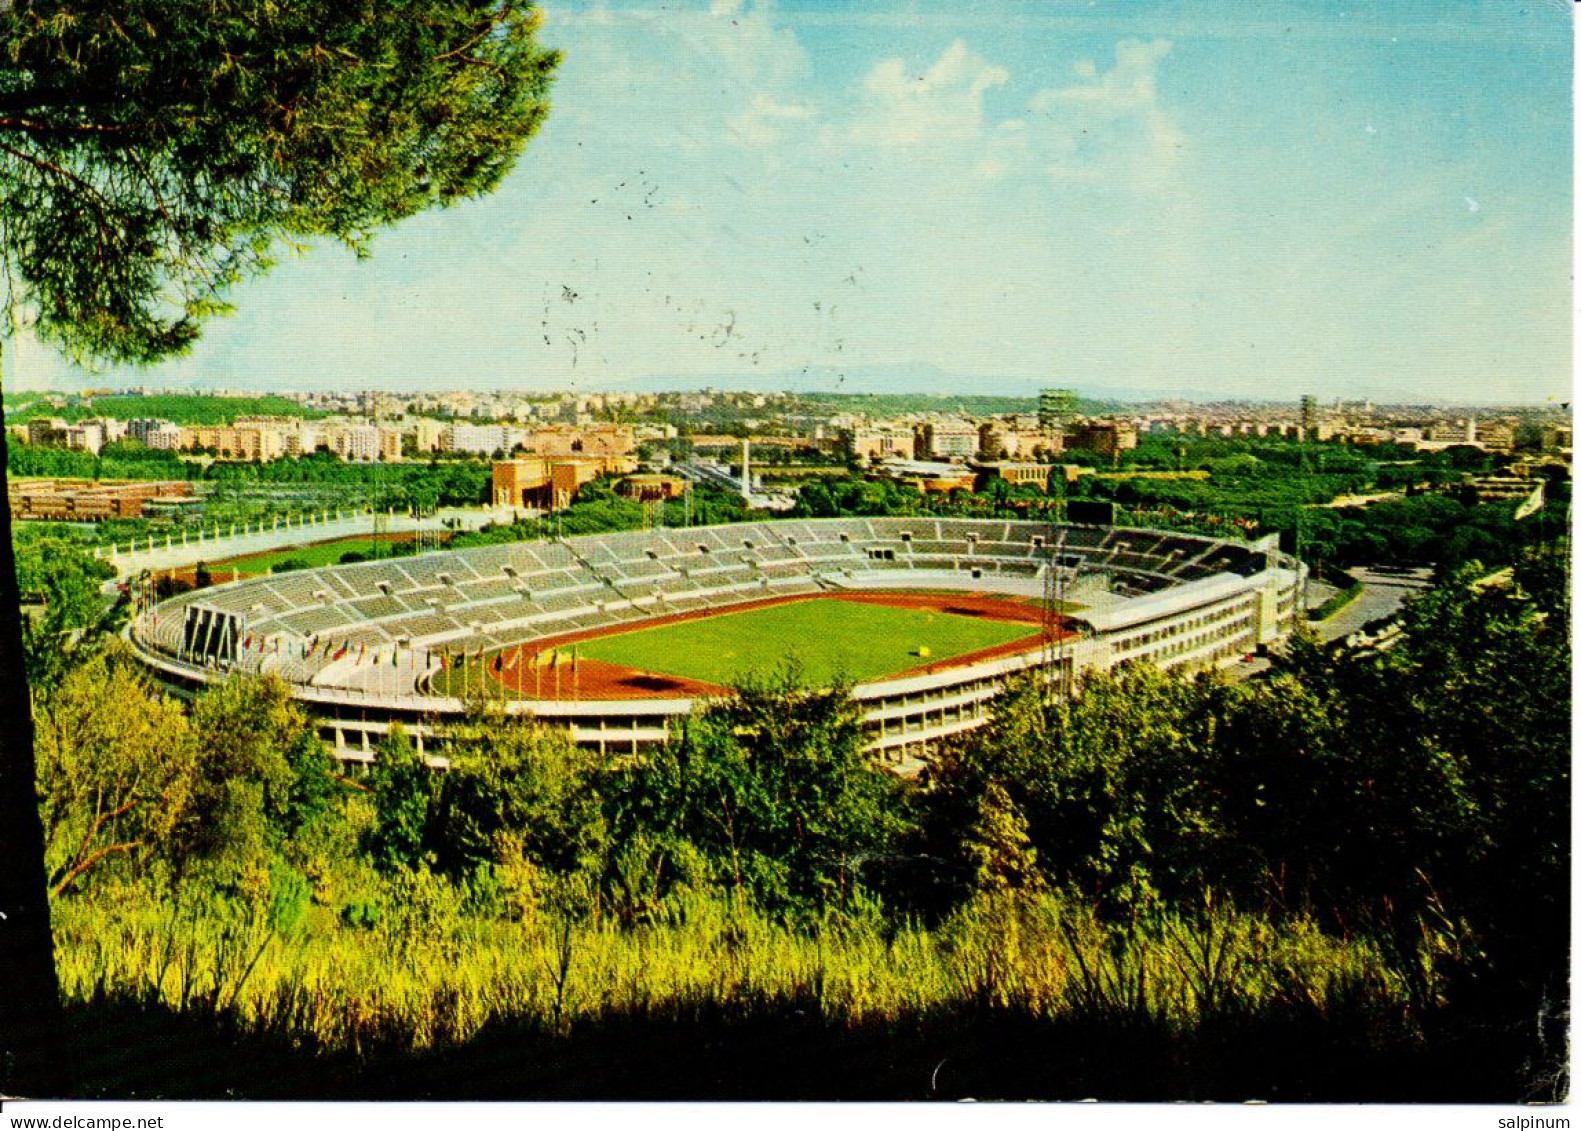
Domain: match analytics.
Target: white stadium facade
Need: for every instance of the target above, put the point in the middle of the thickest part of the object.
(359, 644)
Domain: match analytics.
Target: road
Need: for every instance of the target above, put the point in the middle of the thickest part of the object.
(1382, 595)
(1362, 500)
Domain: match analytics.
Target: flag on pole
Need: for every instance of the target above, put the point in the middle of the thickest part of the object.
(1533, 504)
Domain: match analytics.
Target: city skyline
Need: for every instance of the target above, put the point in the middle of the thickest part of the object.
(1342, 200)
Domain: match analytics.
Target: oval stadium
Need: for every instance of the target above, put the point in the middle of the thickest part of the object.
(617, 636)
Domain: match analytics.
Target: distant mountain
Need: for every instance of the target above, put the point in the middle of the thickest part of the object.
(910, 379)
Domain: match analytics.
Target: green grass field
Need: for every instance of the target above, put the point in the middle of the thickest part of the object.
(829, 639)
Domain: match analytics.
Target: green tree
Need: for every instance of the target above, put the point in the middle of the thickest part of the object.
(75, 618)
(531, 785)
(260, 777)
(774, 787)
(402, 788)
(998, 846)
(1115, 785)
(1484, 675)
(117, 769)
(155, 153)
(152, 155)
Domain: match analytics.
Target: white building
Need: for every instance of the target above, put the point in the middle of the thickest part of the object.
(482, 439)
(359, 442)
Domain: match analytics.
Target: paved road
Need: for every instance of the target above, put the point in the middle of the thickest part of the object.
(1362, 500)
(1381, 596)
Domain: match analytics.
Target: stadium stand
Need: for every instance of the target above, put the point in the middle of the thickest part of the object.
(1171, 597)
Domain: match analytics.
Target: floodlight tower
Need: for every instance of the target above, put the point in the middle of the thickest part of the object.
(1309, 418)
(1055, 406)
(1053, 599)
(1056, 586)
(381, 519)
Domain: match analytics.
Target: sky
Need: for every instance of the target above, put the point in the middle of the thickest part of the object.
(1134, 199)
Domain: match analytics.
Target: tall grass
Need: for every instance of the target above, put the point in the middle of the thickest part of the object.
(431, 974)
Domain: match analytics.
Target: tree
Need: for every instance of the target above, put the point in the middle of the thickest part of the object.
(1114, 788)
(998, 847)
(117, 768)
(75, 618)
(399, 781)
(774, 787)
(262, 777)
(154, 154)
(527, 783)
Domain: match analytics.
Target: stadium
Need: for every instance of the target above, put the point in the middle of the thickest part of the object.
(617, 636)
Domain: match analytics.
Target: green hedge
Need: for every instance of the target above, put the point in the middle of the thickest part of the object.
(1347, 593)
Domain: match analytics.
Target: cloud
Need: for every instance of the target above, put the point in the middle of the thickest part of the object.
(1131, 86)
(903, 109)
(1110, 125)
(685, 74)
(763, 122)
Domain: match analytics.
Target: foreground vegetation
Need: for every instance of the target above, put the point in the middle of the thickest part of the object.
(1178, 1004)
(1347, 881)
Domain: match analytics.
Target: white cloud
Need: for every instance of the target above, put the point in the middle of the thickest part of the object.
(1130, 87)
(1110, 125)
(901, 108)
(683, 74)
(763, 122)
